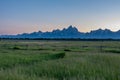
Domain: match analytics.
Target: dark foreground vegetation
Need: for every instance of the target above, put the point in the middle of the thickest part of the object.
(59, 60)
(62, 39)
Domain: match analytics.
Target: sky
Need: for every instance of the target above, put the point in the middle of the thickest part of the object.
(25, 16)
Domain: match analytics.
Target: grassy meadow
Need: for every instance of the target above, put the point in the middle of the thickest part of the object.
(59, 60)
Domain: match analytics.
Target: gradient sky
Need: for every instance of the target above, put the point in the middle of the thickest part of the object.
(19, 16)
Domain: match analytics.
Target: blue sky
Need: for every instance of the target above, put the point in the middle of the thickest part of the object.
(19, 16)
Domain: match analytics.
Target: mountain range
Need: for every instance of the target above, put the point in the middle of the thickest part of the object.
(68, 33)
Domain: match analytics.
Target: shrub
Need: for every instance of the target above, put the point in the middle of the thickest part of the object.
(113, 50)
(16, 47)
(67, 50)
(58, 56)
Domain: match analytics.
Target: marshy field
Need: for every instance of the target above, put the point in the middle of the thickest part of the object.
(59, 60)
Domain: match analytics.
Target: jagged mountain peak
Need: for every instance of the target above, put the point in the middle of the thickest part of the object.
(101, 30)
(70, 29)
(118, 30)
(39, 31)
(69, 32)
(56, 30)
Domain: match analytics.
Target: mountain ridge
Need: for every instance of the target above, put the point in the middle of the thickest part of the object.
(70, 32)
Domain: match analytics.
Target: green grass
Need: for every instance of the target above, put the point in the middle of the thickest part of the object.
(113, 50)
(59, 60)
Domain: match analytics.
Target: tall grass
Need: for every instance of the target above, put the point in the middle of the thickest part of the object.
(49, 64)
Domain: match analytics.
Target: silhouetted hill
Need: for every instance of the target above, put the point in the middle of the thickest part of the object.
(68, 33)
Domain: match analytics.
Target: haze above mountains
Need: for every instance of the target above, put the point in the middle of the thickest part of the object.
(68, 33)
